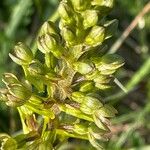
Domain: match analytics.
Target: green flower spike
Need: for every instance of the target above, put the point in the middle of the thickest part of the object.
(61, 95)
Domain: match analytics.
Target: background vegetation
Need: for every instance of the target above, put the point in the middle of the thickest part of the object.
(20, 21)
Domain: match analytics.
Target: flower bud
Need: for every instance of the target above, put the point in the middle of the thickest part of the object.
(86, 110)
(19, 91)
(80, 129)
(92, 103)
(7, 142)
(16, 95)
(49, 43)
(14, 101)
(36, 68)
(104, 3)
(90, 18)
(102, 79)
(86, 86)
(3, 96)
(96, 132)
(109, 63)
(102, 86)
(9, 78)
(80, 5)
(83, 67)
(106, 111)
(92, 75)
(111, 28)
(48, 28)
(23, 54)
(69, 36)
(65, 12)
(94, 142)
(96, 36)
(78, 97)
(99, 122)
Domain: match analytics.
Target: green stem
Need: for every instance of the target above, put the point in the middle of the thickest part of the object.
(39, 110)
(25, 128)
(62, 132)
(46, 120)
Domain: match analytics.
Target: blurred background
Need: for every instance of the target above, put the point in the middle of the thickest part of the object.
(20, 20)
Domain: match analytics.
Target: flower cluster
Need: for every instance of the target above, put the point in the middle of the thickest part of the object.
(64, 89)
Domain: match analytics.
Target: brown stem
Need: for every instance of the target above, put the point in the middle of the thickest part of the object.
(129, 29)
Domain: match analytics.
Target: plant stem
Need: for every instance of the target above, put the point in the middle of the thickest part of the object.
(62, 132)
(126, 33)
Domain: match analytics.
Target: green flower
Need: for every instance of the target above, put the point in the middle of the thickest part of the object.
(23, 55)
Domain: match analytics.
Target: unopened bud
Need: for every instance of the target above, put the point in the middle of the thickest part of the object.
(92, 75)
(48, 28)
(96, 36)
(69, 36)
(23, 54)
(97, 132)
(90, 18)
(36, 68)
(9, 78)
(14, 101)
(7, 142)
(80, 5)
(19, 91)
(98, 121)
(80, 129)
(86, 86)
(110, 62)
(107, 111)
(65, 12)
(3, 96)
(78, 97)
(86, 110)
(104, 3)
(83, 67)
(50, 43)
(103, 79)
(95, 143)
(92, 103)
(102, 86)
